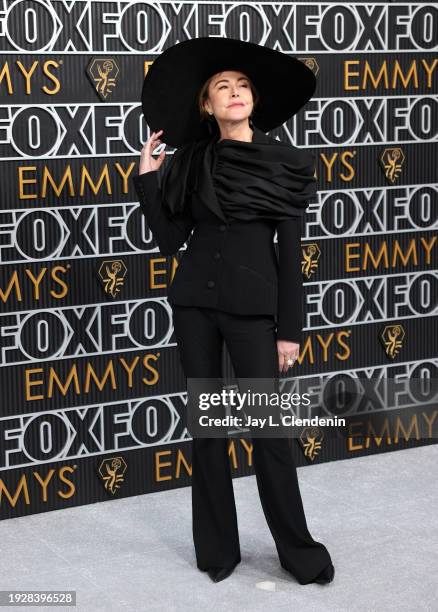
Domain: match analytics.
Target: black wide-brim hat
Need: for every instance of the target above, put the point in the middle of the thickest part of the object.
(170, 90)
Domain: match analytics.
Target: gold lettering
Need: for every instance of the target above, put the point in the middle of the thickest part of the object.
(36, 281)
(25, 181)
(345, 157)
(329, 163)
(27, 74)
(48, 64)
(406, 434)
(398, 75)
(430, 420)
(368, 75)
(22, 487)
(348, 73)
(12, 283)
(104, 176)
(32, 383)
(109, 373)
(325, 344)
(156, 377)
(44, 482)
(181, 461)
(73, 375)
(155, 272)
(429, 71)
(6, 75)
(387, 75)
(400, 256)
(47, 178)
(125, 175)
(248, 448)
(340, 337)
(382, 254)
(59, 281)
(308, 349)
(428, 247)
(159, 465)
(350, 254)
(62, 478)
(129, 369)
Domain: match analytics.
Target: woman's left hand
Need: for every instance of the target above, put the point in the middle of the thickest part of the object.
(286, 350)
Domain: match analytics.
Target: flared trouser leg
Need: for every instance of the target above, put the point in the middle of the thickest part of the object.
(251, 342)
(252, 345)
(214, 517)
(282, 505)
(215, 531)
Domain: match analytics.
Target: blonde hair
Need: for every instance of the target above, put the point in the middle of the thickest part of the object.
(203, 95)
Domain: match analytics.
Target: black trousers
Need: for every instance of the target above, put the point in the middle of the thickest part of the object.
(251, 343)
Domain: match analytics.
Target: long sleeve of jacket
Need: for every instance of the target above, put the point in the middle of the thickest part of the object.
(290, 280)
(169, 233)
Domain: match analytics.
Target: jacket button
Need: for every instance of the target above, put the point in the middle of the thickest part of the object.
(222, 228)
(210, 284)
(217, 255)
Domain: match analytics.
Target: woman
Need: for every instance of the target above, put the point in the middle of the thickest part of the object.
(226, 192)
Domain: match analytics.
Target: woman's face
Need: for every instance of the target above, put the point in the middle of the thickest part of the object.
(229, 96)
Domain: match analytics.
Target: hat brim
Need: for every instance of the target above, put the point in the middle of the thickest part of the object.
(173, 82)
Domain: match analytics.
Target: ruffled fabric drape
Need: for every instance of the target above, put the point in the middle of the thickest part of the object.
(262, 180)
(251, 180)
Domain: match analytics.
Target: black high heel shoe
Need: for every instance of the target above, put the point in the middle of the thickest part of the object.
(326, 576)
(220, 573)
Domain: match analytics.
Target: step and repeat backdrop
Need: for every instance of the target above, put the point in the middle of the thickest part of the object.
(92, 391)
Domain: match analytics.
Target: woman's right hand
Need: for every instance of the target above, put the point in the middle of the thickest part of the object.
(147, 162)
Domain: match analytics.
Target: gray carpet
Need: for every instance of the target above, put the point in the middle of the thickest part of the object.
(377, 515)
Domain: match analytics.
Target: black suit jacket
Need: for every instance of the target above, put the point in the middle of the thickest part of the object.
(230, 265)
